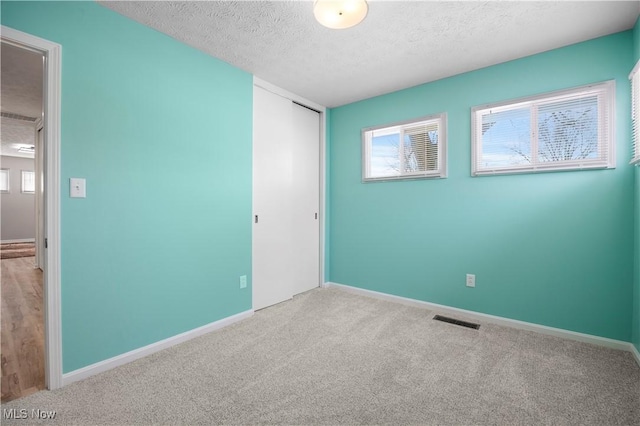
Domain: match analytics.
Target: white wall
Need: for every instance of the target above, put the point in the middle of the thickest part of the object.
(17, 209)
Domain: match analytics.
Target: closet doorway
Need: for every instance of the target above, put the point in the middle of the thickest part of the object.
(287, 227)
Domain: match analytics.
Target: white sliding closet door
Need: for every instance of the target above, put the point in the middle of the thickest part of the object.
(306, 199)
(272, 201)
(286, 199)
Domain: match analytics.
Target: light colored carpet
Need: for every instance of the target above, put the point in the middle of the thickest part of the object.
(333, 357)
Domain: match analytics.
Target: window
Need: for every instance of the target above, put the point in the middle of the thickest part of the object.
(4, 180)
(28, 182)
(407, 150)
(635, 113)
(565, 130)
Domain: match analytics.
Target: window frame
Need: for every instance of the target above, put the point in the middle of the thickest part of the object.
(634, 79)
(7, 173)
(441, 171)
(606, 135)
(22, 181)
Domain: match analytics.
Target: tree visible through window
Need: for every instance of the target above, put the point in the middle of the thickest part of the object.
(565, 130)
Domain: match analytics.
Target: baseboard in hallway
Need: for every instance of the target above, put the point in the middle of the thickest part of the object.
(23, 240)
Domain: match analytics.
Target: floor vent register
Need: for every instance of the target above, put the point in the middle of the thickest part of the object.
(457, 322)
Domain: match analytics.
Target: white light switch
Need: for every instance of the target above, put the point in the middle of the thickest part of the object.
(77, 188)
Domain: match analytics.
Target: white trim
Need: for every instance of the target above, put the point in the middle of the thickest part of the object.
(323, 185)
(52, 89)
(125, 358)
(635, 69)
(286, 94)
(635, 353)
(39, 191)
(23, 240)
(521, 325)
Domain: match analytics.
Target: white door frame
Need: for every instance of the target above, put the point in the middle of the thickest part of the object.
(39, 192)
(52, 90)
(323, 144)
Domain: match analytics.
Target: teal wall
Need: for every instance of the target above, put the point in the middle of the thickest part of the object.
(162, 133)
(552, 249)
(636, 40)
(636, 280)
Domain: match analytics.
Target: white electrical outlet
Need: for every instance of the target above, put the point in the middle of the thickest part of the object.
(243, 281)
(471, 280)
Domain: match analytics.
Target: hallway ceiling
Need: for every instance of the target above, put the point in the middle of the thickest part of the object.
(21, 102)
(399, 44)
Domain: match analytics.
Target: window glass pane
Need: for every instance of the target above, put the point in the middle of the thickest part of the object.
(28, 181)
(568, 130)
(4, 180)
(564, 130)
(385, 155)
(506, 138)
(412, 149)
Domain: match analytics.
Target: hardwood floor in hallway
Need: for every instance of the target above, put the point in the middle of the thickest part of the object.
(22, 328)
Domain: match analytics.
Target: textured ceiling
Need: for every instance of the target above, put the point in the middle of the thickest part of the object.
(21, 87)
(15, 133)
(21, 81)
(399, 44)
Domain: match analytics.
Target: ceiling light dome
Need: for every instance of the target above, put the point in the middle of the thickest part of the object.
(340, 14)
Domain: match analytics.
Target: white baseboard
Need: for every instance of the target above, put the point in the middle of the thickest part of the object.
(135, 354)
(635, 353)
(522, 325)
(24, 240)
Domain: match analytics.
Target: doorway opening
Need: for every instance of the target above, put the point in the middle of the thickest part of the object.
(30, 114)
(22, 292)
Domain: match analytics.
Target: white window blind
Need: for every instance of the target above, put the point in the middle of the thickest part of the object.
(564, 130)
(635, 113)
(408, 150)
(28, 181)
(4, 180)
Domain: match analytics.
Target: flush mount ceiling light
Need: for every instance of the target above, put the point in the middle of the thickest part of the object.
(340, 14)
